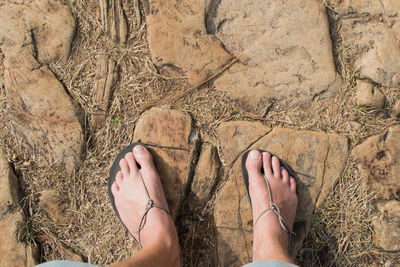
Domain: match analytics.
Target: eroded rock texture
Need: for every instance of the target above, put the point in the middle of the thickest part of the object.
(285, 50)
(177, 36)
(115, 27)
(167, 133)
(371, 30)
(13, 251)
(33, 34)
(316, 157)
(378, 162)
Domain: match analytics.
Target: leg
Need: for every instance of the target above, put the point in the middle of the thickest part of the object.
(158, 236)
(270, 240)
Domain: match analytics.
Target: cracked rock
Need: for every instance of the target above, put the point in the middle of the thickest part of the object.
(318, 160)
(369, 96)
(40, 110)
(166, 133)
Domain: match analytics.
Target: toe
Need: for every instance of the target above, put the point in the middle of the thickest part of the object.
(131, 162)
(123, 164)
(276, 167)
(118, 178)
(145, 160)
(114, 189)
(254, 163)
(293, 184)
(285, 175)
(267, 164)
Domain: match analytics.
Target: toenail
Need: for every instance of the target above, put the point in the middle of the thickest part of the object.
(139, 149)
(254, 154)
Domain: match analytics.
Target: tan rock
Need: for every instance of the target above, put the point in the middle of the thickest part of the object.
(177, 36)
(56, 207)
(386, 226)
(282, 57)
(376, 44)
(166, 133)
(235, 136)
(396, 109)
(369, 96)
(316, 157)
(206, 173)
(13, 252)
(378, 162)
(41, 112)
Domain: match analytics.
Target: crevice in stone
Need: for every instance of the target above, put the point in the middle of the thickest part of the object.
(210, 14)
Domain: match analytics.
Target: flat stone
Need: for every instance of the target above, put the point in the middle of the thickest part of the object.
(167, 133)
(235, 136)
(56, 207)
(41, 112)
(386, 226)
(396, 109)
(177, 36)
(368, 95)
(378, 162)
(375, 44)
(206, 173)
(13, 252)
(316, 157)
(282, 57)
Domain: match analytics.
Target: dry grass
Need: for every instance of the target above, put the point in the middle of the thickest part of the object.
(341, 231)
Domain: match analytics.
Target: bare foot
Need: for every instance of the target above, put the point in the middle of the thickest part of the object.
(270, 240)
(131, 200)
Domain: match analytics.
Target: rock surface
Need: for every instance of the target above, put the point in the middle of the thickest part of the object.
(369, 96)
(56, 207)
(317, 158)
(283, 57)
(206, 173)
(115, 27)
(177, 36)
(371, 31)
(396, 109)
(378, 163)
(41, 112)
(13, 252)
(386, 226)
(167, 133)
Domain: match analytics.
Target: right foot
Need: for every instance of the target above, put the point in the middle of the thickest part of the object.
(271, 241)
(131, 200)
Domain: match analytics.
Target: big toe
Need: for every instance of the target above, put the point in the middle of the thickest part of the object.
(254, 163)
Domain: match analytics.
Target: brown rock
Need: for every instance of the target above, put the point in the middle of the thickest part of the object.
(177, 36)
(40, 111)
(282, 57)
(13, 252)
(206, 173)
(396, 109)
(235, 136)
(375, 43)
(386, 226)
(318, 159)
(166, 133)
(369, 96)
(378, 162)
(56, 207)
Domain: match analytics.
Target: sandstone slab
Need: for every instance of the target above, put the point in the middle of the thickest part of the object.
(167, 133)
(41, 113)
(316, 157)
(56, 207)
(386, 226)
(283, 57)
(13, 251)
(378, 163)
(206, 173)
(177, 37)
(371, 31)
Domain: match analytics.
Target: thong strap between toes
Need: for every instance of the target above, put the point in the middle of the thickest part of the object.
(277, 211)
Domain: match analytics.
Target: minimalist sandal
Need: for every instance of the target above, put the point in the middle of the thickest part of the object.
(272, 206)
(150, 204)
